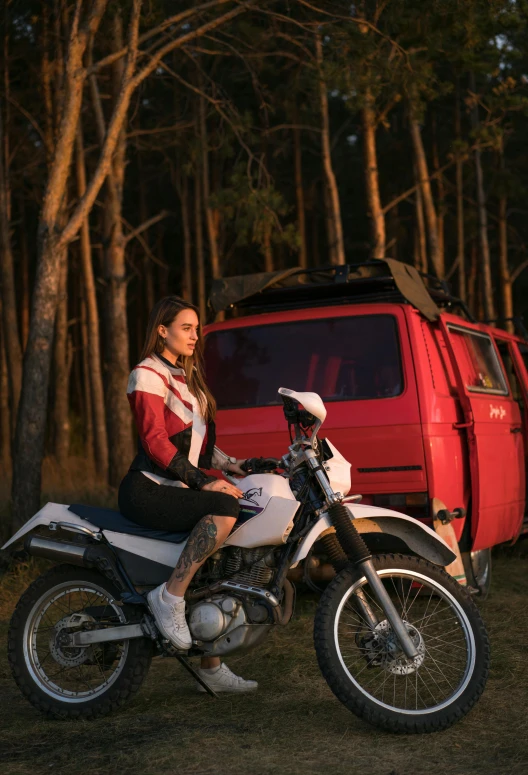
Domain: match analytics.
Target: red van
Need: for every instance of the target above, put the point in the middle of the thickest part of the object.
(424, 402)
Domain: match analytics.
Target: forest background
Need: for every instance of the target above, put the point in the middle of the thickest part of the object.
(147, 148)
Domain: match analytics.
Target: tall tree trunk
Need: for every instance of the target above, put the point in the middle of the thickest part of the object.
(460, 258)
(198, 242)
(427, 196)
(472, 280)
(163, 267)
(24, 274)
(13, 349)
(210, 218)
(118, 417)
(299, 193)
(94, 373)
(375, 211)
(338, 253)
(5, 424)
(489, 305)
(87, 381)
(267, 250)
(506, 282)
(421, 243)
(330, 225)
(147, 261)
(187, 285)
(62, 364)
(440, 198)
(505, 276)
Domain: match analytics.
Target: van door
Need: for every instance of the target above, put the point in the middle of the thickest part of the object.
(515, 357)
(491, 421)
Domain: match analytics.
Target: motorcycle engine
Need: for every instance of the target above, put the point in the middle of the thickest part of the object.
(250, 566)
(211, 618)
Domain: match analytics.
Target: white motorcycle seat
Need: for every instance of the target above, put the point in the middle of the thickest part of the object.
(108, 519)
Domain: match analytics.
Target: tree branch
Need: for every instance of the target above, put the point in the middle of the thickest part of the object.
(410, 191)
(146, 225)
(278, 127)
(178, 19)
(184, 39)
(29, 117)
(112, 135)
(158, 130)
(517, 271)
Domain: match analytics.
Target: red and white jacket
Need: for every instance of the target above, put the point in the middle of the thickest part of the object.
(174, 441)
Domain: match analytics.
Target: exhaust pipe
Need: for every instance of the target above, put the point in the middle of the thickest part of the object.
(74, 554)
(89, 556)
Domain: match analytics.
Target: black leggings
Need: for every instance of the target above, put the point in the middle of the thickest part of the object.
(164, 507)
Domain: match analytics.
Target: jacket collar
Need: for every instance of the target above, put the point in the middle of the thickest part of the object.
(177, 371)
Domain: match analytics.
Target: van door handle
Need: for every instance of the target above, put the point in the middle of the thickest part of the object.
(516, 429)
(458, 425)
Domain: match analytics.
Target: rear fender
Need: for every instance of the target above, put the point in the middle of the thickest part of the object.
(51, 512)
(419, 538)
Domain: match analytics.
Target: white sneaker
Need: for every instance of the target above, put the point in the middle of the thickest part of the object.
(224, 680)
(170, 619)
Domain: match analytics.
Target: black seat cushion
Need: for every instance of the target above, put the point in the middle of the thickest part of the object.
(108, 519)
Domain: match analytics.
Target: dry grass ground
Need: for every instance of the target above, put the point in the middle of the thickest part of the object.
(293, 724)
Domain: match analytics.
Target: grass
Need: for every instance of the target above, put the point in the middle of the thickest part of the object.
(293, 724)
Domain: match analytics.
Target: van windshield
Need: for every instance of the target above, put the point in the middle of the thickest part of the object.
(341, 359)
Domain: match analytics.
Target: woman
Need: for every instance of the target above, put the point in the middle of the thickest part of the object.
(165, 488)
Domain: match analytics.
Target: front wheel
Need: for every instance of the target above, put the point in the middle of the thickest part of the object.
(74, 682)
(364, 666)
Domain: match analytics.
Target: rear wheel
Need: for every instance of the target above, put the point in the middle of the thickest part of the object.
(74, 682)
(364, 666)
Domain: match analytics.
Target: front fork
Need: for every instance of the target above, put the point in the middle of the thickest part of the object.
(358, 553)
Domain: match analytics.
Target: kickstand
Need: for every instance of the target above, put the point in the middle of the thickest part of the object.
(192, 671)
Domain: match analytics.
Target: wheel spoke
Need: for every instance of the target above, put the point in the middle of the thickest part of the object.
(74, 676)
(419, 684)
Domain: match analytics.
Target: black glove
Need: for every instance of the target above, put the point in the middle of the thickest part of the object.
(260, 465)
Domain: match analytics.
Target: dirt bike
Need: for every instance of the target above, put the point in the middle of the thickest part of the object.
(399, 642)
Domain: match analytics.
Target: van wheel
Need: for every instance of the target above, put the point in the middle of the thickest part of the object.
(478, 570)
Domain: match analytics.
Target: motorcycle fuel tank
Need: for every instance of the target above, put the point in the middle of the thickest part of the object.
(266, 514)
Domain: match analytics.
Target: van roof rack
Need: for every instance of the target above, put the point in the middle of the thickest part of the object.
(377, 280)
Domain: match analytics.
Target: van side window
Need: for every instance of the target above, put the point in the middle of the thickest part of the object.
(345, 358)
(523, 349)
(478, 362)
(507, 360)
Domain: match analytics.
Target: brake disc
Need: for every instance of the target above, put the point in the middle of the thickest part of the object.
(381, 649)
(63, 654)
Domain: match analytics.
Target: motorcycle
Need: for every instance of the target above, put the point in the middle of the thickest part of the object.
(400, 643)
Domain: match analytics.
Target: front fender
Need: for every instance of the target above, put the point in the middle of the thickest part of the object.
(419, 538)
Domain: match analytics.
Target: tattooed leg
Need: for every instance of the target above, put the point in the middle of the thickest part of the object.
(207, 535)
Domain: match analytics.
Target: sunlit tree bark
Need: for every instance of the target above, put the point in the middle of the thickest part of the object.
(337, 250)
(485, 257)
(375, 210)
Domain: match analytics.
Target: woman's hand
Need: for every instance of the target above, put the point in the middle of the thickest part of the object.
(221, 485)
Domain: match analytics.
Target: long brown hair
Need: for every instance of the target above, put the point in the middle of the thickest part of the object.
(163, 314)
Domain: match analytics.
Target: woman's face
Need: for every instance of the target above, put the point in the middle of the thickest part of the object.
(181, 335)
